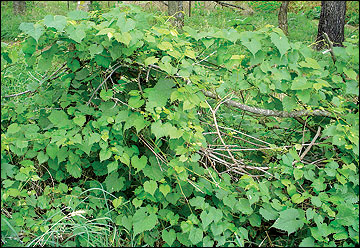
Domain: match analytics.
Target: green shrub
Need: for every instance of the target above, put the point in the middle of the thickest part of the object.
(117, 144)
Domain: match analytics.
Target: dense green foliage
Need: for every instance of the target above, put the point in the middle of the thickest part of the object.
(116, 144)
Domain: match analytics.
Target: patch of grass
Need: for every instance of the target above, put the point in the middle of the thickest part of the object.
(35, 11)
(301, 28)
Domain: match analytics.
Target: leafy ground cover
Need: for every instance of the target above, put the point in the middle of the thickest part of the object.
(130, 133)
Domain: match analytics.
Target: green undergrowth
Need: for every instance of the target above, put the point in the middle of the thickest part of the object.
(115, 142)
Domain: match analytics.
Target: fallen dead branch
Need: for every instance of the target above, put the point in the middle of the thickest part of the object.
(268, 112)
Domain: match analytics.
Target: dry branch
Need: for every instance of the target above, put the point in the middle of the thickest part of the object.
(229, 5)
(268, 112)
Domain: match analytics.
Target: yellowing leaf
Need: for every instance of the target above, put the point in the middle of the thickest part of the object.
(164, 189)
(151, 60)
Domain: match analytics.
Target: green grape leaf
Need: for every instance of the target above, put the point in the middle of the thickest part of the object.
(117, 202)
(290, 220)
(143, 222)
(113, 166)
(195, 235)
(307, 242)
(136, 101)
(74, 169)
(136, 120)
(94, 138)
(230, 201)
(78, 15)
(114, 183)
(243, 205)
(7, 170)
(106, 94)
(138, 163)
(125, 159)
(300, 83)
(350, 73)
(52, 150)
(208, 42)
(105, 31)
(168, 236)
(76, 33)
(124, 38)
(58, 22)
(151, 60)
(13, 128)
(59, 118)
(150, 187)
(289, 103)
(42, 157)
(310, 63)
(159, 95)
(126, 26)
(298, 173)
(62, 154)
(164, 189)
(160, 130)
(165, 45)
(205, 219)
(34, 30)
(157, 130)
(104, 154)
(137, 203)
(95, 49)
(352, 87)
(281, 42)
(251, 42)
(304, 95)
(102, 61)
(267, 212)
(79, 120)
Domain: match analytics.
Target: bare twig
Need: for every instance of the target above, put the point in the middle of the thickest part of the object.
(18, 94)
(331, 50)
(193, 184)
(229, 5)
(103, 83)
(147, 74)
(213, 111)
(40, 82)
(309, 147)
(139, 83)
(204, 58)
(118, 100)
(247, 135)
(311, 144)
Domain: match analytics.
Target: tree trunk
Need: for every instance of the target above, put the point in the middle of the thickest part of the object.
(282, 17)
(83, 5)
(19, 7)
(332, 22)
(189, 8)
(175, 8)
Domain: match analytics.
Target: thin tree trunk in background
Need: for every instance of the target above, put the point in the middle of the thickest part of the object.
(175, 8)
(189, 8)
(68, 4)
(282, 17)
(332, 22)
(83, 5)
(19, 7)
